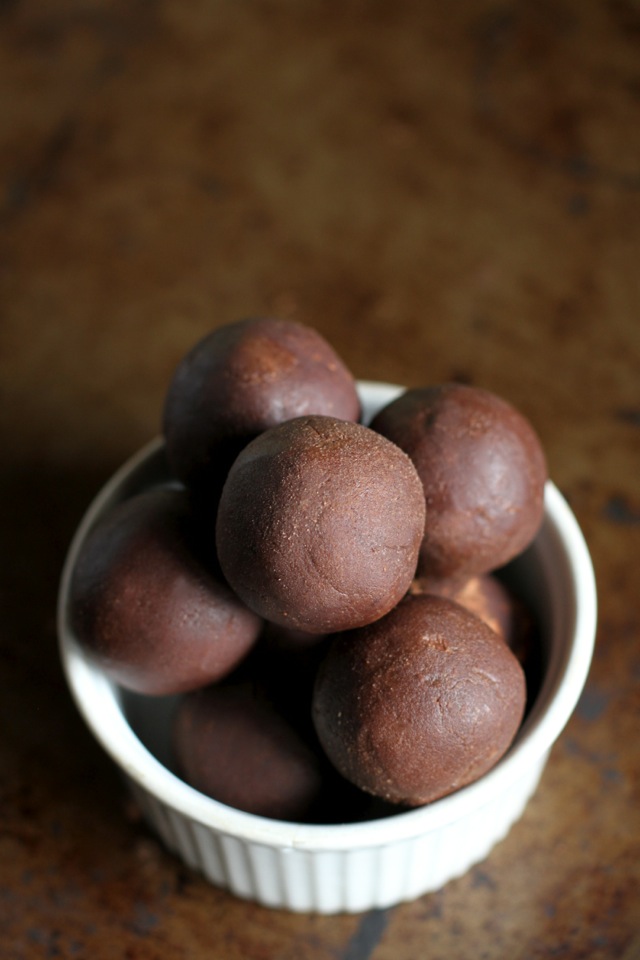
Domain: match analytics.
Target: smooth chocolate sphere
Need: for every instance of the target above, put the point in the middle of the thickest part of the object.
(420, 703)
(232, 744)
(146, 605)
(319, 525)
(241, 379)
(483, 471)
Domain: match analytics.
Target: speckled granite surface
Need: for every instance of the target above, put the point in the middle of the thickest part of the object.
(445, 191)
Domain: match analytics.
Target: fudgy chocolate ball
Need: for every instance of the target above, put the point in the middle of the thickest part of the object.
(148, 608)
(491, 600)
(483, 471)
(241, 379)
(232, 744)
(420, 703)
(319, 524)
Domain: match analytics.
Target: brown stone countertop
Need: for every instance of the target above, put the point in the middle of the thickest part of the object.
(446, 191)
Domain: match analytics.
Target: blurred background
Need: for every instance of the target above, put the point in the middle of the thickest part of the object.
(445, 191)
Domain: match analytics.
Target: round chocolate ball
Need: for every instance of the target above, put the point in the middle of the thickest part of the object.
(241, 379)
(231, 744)
(146, 605)
(319, 525)
(420, 703)
(483, 471)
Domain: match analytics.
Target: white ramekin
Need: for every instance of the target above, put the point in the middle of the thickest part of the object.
(345, 867)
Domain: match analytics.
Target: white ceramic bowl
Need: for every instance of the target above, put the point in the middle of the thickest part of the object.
(359, 866)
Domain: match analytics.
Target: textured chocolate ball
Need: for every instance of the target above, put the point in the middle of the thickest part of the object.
(419, 703)
(231, 744)
(319, 525)
(148, 607)
(491, 600)
(241, 379)
(483, 471)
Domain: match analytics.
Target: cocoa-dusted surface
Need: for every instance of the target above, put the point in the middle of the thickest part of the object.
(148, 604)
(319, 524)
(483, 471)
(419, 703)
(241, 379)
(444, 196)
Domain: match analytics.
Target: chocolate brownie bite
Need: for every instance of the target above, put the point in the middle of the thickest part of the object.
(147, 606)
(319, 525)
(241, 379)
(483, 471)
(232, 743)
(420, 703)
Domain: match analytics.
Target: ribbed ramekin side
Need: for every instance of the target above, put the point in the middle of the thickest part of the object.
(340, 881)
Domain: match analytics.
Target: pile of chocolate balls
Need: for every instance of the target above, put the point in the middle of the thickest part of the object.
(322, 595)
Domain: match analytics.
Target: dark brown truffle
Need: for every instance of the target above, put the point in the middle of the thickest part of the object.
(148, 608)
(238, 381)
(491, 600)
(419, 703)
(232, 744)
(483, 472)
(319, 525)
